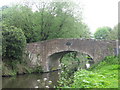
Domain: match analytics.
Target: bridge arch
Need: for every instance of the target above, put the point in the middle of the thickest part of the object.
(54, 59)
(50, 50)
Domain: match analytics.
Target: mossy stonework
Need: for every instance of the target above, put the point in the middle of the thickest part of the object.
(48, 53)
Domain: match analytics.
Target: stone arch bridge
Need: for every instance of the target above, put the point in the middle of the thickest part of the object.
(48, 53)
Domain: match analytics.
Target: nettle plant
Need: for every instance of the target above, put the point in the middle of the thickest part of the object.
(13, 42)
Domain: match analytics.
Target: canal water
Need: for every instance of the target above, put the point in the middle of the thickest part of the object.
(43, 80)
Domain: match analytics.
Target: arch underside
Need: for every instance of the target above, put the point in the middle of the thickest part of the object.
(54, 60)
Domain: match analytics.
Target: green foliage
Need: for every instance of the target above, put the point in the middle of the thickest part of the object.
(21, 17)
(66, 77)
(14, 67)
(114, 33)
(9, 68)
(13, 43)
(37, 69)
(51, 20)
(88, 79)
(71, 62)
(104, 75)
(111, 60)
(107, 33)
(75, 60)
(102, 33)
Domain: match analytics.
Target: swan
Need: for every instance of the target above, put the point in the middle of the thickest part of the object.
(47, 86)
(45, 79)
(36, 86)
(38, 80)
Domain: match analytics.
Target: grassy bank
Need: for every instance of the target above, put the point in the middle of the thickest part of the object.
(103, 75)
(12, 68)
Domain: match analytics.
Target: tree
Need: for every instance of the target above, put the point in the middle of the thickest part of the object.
(13, 42)
(50, 20)
(59, 20)
(114, 33)
(21, 17)
(102, 32)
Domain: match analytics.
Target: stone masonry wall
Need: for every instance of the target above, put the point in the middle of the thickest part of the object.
(47, 53)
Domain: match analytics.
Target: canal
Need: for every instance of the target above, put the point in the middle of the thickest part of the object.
(41, 80)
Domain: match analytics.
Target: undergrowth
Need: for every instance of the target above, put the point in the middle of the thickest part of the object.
(102, 75)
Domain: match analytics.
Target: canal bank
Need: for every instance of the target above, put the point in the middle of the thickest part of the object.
(17, 68)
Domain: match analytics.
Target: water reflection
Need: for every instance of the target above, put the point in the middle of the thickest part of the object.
(45, 80)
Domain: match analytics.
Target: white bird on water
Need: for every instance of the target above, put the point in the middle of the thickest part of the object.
(36, 86)
(45, 79)
(38, 80)
(47, 86)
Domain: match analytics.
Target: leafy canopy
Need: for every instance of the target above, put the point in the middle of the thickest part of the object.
(102, 32)
(50, 20)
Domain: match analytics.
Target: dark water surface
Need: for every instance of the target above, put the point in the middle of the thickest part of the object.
(31, 80)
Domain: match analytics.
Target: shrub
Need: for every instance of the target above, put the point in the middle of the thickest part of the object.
(89, 79)
(13, 42)
(111, 60)
(102, 75)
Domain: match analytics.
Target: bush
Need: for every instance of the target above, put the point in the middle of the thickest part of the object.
(89, 79)
(102, 75)
(112, 60)
(13, 42)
